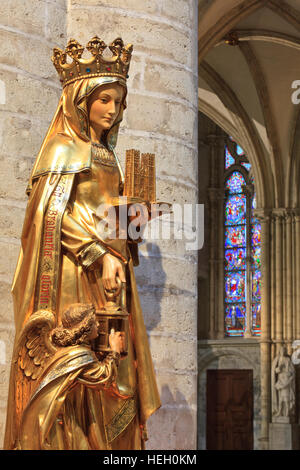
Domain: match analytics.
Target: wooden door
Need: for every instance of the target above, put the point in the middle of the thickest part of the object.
(229, 423)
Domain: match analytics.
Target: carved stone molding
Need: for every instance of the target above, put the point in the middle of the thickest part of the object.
(285, 214)
(273, 37)
(262, 215)
(224, 25)
(245, 132)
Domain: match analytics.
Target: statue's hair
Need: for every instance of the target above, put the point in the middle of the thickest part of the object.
(77, 324)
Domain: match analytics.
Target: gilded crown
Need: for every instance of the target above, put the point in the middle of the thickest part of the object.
(97, 65)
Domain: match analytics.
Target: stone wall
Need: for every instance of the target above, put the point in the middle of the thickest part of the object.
(161, 118)
(29, 92)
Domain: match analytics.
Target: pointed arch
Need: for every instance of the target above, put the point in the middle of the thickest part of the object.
(243, 132)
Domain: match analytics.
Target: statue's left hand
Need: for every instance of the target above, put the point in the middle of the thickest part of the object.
(139, 214)
(138, 217)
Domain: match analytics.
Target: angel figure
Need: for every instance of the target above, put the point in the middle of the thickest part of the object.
(60, 413)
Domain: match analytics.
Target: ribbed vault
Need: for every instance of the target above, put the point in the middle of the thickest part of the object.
(249, 55)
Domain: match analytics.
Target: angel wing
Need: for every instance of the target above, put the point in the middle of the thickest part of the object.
(34, 347)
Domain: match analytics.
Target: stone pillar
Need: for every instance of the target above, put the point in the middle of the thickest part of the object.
(265, 343)
(216, 243)
(29, 93)
(296, 268)
(280, 299)
(161, 118)
(278, 294)
(289, 320)
(213, 235)
(284, 245)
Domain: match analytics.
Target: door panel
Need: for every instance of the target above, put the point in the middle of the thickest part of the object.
(229, 409)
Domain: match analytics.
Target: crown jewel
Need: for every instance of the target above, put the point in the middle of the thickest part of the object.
(97, 65)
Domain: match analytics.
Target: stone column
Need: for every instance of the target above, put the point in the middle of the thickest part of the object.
(29, 92)
(213, 197)
(278, 222)
(296, 266)
(161, 118)
(289, 320)
(280, 297)
(216, 242)
(265, 350)
(220, 332)
(284, 246)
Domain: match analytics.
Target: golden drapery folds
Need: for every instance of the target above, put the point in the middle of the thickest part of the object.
(60, 264)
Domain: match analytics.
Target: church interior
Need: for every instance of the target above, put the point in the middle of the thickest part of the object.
(249, 268)
(218, 102)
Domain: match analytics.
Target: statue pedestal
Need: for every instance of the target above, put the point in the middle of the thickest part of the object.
(284, 435)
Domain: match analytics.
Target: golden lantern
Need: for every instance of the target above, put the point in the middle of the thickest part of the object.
(112, 316)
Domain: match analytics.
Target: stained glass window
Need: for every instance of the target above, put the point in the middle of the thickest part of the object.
(247, 166)
(229, 160)
(235, 183)
(235, 209)
(239, 150)
(242, 247)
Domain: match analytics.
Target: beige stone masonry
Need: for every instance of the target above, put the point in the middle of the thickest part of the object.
(161, 117)
(29, 92)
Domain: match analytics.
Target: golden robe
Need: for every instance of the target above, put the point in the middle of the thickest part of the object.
(60, 264)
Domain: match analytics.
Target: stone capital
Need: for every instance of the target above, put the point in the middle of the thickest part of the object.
(263, 215)
(278, 213)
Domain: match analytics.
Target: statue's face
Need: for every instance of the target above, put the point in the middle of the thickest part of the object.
(104, 106)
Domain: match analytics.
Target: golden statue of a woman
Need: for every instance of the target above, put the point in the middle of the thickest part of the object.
(66, 259)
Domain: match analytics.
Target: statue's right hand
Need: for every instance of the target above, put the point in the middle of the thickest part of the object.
(112, 267)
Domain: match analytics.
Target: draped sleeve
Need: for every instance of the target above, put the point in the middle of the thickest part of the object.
(80, 242)
(82, 233)
(102, 373)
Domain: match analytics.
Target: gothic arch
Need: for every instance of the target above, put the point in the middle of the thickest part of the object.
(242, 130)
(224, 24)
(278, 151)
